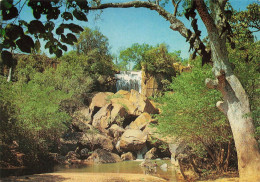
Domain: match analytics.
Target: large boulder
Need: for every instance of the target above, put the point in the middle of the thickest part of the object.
(129, 106)
(132, 140)
(94, 141)
(103, 156)
(101, 119)
(142, 103)
(127, 156)
(115, 131)
(100, 100)
(118, 113)
(141, 121)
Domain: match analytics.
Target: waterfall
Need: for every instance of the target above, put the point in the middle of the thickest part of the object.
(141, 153)
(127, 80)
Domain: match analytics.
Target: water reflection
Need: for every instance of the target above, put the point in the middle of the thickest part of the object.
(123, 167)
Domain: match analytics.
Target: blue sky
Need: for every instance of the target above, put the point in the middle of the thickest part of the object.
(123, 27)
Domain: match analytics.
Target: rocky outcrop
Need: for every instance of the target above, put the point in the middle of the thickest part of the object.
(103, 156)
(132, 140)
(128, 156)
(113, 124)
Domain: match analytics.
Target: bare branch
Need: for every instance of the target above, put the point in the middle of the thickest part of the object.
(175, 6)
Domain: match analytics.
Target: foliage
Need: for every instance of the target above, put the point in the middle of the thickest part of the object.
(189, 113)
(245, 56)
(26, 35)
(134, 54)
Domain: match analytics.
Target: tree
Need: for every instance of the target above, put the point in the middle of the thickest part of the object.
(134, 54)
(189, 114)
(235, 102)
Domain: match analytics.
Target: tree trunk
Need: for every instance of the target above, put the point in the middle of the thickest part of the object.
(236, 103)
(9, 78)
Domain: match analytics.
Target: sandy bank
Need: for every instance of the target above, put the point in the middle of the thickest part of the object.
(86, 177)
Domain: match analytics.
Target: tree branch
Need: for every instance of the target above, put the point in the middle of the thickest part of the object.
(176, 24)
(175, 6)
(205, 16)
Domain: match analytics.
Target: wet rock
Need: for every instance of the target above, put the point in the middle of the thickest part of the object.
(164, 167)
(132, 140)
(103, 156)
(128, 156)
(151, 154)
(141, 121)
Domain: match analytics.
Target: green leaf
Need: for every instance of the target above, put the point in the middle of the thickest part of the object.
(9, 14)
(35, 27)
(12, 31)
(67, 16)
(80, 15)
(75, 28)
(25, 43)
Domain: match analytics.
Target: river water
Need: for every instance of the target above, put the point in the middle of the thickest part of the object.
(132, 167)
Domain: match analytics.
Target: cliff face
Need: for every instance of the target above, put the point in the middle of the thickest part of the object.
(153, 83)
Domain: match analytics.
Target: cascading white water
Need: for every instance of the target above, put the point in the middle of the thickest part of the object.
(141, 153)
(127, 80)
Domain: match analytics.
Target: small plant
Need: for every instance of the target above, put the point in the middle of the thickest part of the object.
(114, 96)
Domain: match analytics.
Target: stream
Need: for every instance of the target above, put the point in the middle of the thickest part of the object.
(132, 167)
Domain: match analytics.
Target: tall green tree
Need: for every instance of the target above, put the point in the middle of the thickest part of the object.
(190, 115)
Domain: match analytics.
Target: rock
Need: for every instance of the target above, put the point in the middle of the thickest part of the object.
(84, 115)
(127, 156)
(115, 131)
(103, 156)
(151, 154)
(94, 141)
(132, 140)
(164, 167)
(125, 94)
(141, 121)
(100, 100)
(130, 108)
(81, 126)
(72, 156)
(69, 142)
(142, 103)
(101, 119)
(118, 114)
